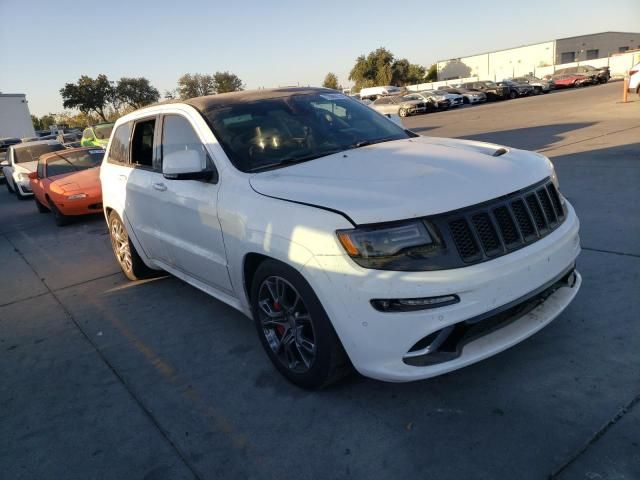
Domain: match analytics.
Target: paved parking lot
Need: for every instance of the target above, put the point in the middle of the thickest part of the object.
(107, 379)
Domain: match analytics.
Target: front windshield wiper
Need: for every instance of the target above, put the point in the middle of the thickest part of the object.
(365, 143)
(293, 160)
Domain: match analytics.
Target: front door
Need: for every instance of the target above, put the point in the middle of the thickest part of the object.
(189, 218)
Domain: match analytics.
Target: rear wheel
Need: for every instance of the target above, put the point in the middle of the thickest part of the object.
(294, 329)
(130, 262)
(512, 94)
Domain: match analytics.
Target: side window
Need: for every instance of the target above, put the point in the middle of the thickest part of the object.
(142, 143)
(40, 170)
(178, 136)
(119, 150)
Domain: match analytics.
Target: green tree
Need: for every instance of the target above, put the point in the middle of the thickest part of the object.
(44, 122)
(415, 74)
(136, 92)
(89, 95)
(224, 82)
(331, 81)
(432, 73)
(196, 85)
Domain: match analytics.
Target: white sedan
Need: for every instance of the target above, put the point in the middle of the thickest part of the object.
(21, 160)
(348, 240)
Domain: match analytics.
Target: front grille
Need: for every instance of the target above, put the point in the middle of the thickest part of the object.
(505, 224)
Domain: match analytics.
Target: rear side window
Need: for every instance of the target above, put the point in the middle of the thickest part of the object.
(178, 135)
(119, 150)
(142, 143)
(40, 169)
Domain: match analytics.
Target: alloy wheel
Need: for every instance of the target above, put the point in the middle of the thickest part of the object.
(120, 244)
(286, 324)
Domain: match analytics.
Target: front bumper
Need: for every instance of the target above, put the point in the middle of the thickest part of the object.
(23, 186)
(378, 342)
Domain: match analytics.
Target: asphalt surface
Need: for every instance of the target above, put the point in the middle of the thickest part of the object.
(107, 379)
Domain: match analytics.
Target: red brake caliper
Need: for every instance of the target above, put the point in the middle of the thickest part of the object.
(279, 328)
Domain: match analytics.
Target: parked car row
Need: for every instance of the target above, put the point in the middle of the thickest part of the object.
(62, 180)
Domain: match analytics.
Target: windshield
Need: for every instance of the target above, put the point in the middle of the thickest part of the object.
(103, 132)
(440, 92)
(274, 132)
(31, 153)
(64, 163)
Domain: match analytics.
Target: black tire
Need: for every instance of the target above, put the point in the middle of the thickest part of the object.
(126, 254)
(60, 218)
(466, 101)
(512, 94)
(327, 362)
(9, 187)
(41, 208)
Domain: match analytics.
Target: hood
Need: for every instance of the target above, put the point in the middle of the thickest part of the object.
(26, 167)
(405, 179)
(83, 180)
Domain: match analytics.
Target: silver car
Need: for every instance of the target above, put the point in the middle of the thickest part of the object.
(400, 105)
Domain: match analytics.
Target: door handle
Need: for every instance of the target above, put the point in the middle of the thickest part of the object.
(161, 187)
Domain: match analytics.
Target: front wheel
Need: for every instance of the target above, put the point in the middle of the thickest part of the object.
(41, 208)
(130, 262)
(294, 329)
(60, 218)
(403, 112)
(512, 94)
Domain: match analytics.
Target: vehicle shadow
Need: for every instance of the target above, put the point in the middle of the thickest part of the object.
(530, 138)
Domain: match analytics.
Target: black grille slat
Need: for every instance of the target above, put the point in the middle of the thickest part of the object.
(463, 238)
(547, 207)
(525, 222)
(507, 226)
(536, 211)
(500, 226)
(487, 234)
(555, 199)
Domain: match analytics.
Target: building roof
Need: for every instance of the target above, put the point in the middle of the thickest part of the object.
(535, 43)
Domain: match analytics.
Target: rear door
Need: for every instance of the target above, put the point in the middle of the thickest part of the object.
(144, 199)
(189, 216)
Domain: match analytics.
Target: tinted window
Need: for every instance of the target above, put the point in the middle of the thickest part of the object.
(31, 153)
(271, 132)
(142, 143)
(382, 101)
(88, 133)
(178, 135)
(119, 149)
(40, 170)
(65, 163)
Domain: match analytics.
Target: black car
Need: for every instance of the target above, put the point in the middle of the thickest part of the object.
(492, 90)
(517, 89)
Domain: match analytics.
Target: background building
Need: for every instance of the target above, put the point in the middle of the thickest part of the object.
(15, 119)
(526, 59)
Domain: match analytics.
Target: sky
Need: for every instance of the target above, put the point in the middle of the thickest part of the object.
(45, 44)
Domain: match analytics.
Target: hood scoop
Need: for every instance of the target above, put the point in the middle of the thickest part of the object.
(499, 152)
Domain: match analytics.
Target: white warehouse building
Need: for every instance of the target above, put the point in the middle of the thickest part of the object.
(526, 59)
(15, 119)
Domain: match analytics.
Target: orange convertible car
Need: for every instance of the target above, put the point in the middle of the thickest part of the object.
(67, 183)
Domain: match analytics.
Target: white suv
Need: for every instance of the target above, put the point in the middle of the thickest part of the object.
(634, 79)
(348, 240)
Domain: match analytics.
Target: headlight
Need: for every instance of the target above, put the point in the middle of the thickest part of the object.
(398, 246)
(77, 196)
